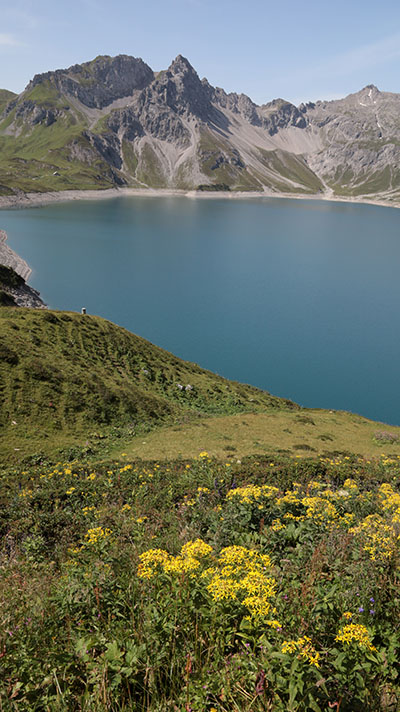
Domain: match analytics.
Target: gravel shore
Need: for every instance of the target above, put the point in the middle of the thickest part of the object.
(26, 200)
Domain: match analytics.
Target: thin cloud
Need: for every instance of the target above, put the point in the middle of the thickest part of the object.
(21, 18)
(7, 40)
(368, 55)
(354, 60)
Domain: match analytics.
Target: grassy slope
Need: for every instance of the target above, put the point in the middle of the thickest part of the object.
(64, 375)
(83, 384)
(33, 153)
(5, 97)
(308, 433)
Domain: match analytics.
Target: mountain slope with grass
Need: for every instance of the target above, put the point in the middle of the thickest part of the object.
(114, 122)
(80, 384)
(63, 375)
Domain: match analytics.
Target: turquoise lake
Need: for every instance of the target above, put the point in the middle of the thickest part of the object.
(301, 298)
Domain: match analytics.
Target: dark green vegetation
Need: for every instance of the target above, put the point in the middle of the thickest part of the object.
(215, 187)
(270, 584)
(8, 278)
(266, 582)
(64, 375)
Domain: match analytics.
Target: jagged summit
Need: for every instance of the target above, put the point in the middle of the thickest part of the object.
(113, 121)
(181, 64)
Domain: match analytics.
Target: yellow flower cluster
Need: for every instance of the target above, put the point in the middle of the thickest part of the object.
(191, 501)
(378, 537)
(26, 492)
(319, 509)
(355, 633)
(151, 562)
(289, 498)
(96, 534)
(252, 493)
(87, 510)
(390, 500)
(155, 560)
(304, 649)
(277, 525)
(350, 484)
(202, 490)
(240, 575)
(324, 506)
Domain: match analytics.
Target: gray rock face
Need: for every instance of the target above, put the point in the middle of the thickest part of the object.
(238, 104)
(99, 83)
(25, 296)
(134, 127)
(13, 272)
(280, 114)
(360, 136)
(34, 114)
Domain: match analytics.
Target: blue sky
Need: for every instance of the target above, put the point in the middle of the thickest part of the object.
(298, 51)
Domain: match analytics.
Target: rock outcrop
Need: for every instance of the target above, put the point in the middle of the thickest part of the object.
(14, 272)
(15, 292)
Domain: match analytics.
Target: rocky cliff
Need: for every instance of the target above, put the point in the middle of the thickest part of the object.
(115, 122)
(14, 292)
(14, 272)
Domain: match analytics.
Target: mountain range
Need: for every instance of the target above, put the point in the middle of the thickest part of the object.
(115, 122)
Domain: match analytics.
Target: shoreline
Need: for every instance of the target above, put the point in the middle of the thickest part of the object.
(27, 200)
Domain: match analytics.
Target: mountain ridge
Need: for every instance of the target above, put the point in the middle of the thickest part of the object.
(114, 122)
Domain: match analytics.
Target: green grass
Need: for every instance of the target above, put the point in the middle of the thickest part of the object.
(5, 97)
(64, 375)
(80, 384)
(287, 165)
(130, 158)
(149, 170)
(46, 95)
(209, 151)
(28, 161)
(318, 433)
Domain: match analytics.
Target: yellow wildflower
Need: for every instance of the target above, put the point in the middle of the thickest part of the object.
(355, 633)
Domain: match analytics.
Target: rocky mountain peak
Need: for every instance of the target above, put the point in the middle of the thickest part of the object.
(370, 91)
(183, 89)
(181, 65)
(100, 82)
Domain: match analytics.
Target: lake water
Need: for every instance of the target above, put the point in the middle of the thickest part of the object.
(301, 298)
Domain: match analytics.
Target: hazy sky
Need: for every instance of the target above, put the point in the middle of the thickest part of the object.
(296, 50)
